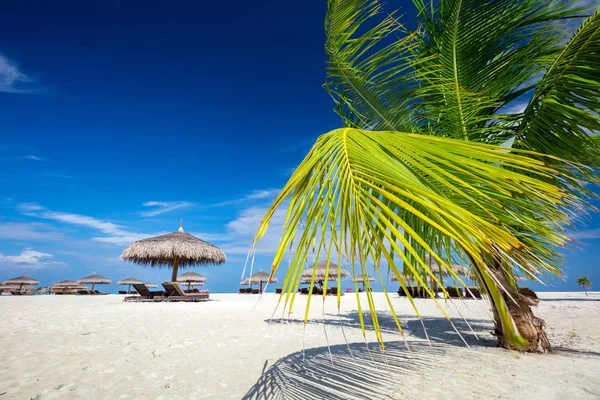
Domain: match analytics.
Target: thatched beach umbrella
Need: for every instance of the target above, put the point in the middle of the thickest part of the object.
(66, 285)
(150, 285)
(22, 280)
(364, 278)
(192, 279)
(129, 281)
(6, 286)
(259, 278)
(177, 249)
(320, 274)
(94, 279)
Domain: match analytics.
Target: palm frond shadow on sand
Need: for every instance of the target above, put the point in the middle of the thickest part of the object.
(358, 373)
(438, 328)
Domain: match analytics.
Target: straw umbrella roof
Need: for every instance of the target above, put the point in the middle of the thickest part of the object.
(23, 280)
(457, 268)
(191, 277)
(320, 274)
(259, 277)
(95, 279)
(363, 278)
(7, 286)
(150, 285)
(129, 281)
(164, 249)
(66, 284)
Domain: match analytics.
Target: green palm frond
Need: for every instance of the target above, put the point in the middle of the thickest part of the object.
(563, 114)
(370, 197)
(486, 54)
(367, 68)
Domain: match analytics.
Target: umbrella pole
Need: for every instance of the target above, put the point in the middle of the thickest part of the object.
(20, 287)
(128, 288)
(175, 267)
(189, 284)
(93, 286)
(261, 286)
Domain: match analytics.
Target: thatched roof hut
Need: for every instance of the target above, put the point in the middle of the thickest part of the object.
(192, 279)
(95, 279)
(259, 278)
(320, 274)
(22, 281)
(177, 249)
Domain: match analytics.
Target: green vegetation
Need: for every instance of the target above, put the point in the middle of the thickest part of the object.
(423, 168)
(584, 282)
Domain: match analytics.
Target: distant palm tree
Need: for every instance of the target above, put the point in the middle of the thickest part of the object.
(584, 282)
(435, 162)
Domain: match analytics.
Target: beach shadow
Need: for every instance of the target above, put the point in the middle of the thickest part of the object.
(571, 299)
(437, 329)
(575, 352)
(354, 371)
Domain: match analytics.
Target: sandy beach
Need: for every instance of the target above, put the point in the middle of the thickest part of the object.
(86, 347)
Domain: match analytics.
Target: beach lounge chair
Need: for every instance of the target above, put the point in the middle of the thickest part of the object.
(122, 292)
(145, 292)
(278, 290)
(473, 292)
(174, 292)
(454, 292)
(255, 291)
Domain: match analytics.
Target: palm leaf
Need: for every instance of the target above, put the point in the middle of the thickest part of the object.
(486, 54)
(367, 196)
(562, 117)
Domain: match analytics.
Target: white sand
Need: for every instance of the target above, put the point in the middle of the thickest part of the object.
(78, 347)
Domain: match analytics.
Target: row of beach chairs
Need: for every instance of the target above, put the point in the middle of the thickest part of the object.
(172, 293)
(90, 292)
(453, 292)
(249, 291)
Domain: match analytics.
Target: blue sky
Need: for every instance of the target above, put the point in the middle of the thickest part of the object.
(118, 118)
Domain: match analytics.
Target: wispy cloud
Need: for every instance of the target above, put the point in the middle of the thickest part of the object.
(112, 233)
(586, 234)
(32, 157)
(12, 80)
(161, 207)
(254, 196)
(28, 231)
(31, 258)
(242, 229)
(516, 107)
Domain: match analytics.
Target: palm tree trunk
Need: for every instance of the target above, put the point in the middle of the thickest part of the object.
(585, 290)
(518, 302)
(522, 331)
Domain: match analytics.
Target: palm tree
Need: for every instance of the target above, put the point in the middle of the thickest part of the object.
(434, 161)
(584, 282)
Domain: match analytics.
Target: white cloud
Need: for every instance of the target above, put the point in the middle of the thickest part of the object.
(162, 207)
(28, 231)
(586, 234)
(12, 80)
(31, 258)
